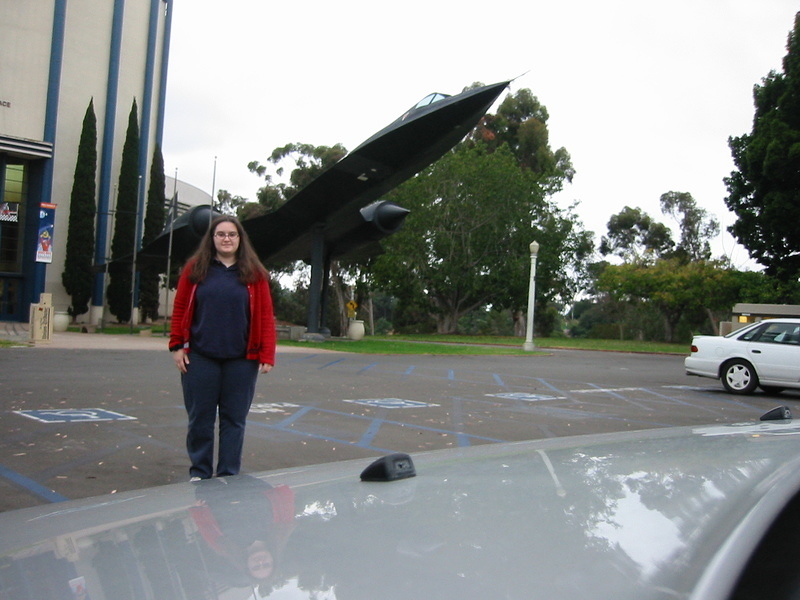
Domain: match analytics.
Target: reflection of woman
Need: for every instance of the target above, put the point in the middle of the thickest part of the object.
(223, 315)
(246, 522)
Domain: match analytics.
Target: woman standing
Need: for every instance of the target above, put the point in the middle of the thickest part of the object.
(222, 337)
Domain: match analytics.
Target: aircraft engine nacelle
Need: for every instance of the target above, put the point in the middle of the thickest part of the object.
(385, 217)
(197, 220)
(370, 225)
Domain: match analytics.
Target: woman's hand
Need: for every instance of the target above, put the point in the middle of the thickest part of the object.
(181, 359)
(264, 368)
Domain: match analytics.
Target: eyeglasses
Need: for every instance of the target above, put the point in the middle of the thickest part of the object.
(226, 234)
(260, 564)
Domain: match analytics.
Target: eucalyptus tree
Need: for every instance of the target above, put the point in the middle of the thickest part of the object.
(521, 124)
(634, 236)
(697, 227)
(291, 167)
(474, 213)
(228, 204)
(309, 161)
(465, 242)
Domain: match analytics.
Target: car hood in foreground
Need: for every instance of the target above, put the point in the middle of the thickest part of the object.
(668, 513)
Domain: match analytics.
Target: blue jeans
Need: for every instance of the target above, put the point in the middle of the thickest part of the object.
(212, 386)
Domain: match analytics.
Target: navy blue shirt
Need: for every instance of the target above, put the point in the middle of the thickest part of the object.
(222, 314)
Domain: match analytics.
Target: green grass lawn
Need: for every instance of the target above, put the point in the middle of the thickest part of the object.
(446, 344)
(375, 345)
(457, 344)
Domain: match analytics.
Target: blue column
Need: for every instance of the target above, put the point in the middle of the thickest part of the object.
(162, 87)
(147, 110)
(39, 270)
(106, 156)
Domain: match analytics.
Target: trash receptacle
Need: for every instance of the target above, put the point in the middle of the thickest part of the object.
(41, 320)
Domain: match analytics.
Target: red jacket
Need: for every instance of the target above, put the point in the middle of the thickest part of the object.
(280, 522)
(261, 338)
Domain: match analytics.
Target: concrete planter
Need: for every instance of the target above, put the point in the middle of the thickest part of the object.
(60, 321)
(355, 331)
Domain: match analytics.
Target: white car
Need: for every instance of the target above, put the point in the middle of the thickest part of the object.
(692, 513)
(765, 354)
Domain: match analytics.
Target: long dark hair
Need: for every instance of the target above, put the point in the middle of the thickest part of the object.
(250, 267)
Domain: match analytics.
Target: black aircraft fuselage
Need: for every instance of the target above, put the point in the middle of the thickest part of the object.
(338, 214)
(400, 151)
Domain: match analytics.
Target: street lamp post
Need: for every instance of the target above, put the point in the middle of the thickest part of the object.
(529, 345)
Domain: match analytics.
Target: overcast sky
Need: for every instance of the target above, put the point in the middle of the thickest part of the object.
(642, 96)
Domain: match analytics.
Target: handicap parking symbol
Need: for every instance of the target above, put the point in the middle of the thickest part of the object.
(391, 403)
(74, 415)
(272, 407)
(524, 396)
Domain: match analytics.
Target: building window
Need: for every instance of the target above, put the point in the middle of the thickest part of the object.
(13, 194)
(9, 297)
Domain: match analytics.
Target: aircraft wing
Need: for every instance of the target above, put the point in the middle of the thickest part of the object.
(400, 151)
(335, 202)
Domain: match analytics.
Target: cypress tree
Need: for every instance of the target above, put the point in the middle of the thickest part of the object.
(77, 276)
(122, 244)
(153, 224)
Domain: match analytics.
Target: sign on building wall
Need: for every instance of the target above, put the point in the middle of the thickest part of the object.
(9, 212)
(47, 221)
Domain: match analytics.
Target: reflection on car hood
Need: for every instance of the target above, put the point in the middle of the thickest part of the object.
(668, 513)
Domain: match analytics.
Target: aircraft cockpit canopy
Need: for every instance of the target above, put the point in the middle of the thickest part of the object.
(430, 99)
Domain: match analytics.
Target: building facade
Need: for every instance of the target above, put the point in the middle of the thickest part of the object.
(57, 56)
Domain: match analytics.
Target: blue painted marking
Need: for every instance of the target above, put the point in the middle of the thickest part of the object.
(330, 364)
(499, 380)
(303, 358)
(324, 438)
(289, 420)
(451, 375)
(282, 426)
(613, 393)
(368, 367)
(370, 433)
(552, 387)
(409, 370)
(420, 427)
(74, 415)
(679, 401)
(30, 485)
(562, 394)
(457, 419)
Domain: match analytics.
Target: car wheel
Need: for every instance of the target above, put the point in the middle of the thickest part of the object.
(771, 389)
(739, 377)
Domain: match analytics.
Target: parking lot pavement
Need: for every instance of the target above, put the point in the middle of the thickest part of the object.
(90, 414)
(70, 340)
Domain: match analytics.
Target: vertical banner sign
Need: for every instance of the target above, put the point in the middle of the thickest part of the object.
(47, 220)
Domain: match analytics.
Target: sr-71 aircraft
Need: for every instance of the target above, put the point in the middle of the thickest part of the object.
(339, 214)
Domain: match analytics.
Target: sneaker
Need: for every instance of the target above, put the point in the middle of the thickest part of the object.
(195, 479)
